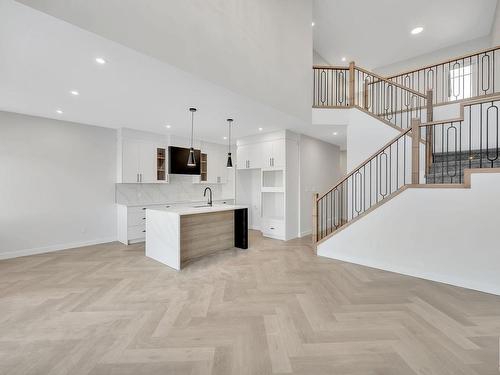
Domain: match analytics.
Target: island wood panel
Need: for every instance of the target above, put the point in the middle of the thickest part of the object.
(206, 233)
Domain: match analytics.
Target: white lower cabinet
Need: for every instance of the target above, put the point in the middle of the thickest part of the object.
(132, 219)
(273, 228)
(132, 222)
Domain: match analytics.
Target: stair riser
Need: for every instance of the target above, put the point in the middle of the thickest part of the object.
(439, 168)
(438, 158)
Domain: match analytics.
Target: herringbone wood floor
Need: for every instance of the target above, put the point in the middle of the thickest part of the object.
(274, 309)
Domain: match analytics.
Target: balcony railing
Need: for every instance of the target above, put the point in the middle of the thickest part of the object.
(330, 87)
(464, 77)
(353, 86)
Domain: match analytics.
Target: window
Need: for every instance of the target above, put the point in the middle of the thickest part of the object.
(459, 83)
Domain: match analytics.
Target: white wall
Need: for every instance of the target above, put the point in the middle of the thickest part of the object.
(57, 188)
(435, 56)
(319, 60)
(495, 28)
(446, 235)
(319, 171)
(343, 162)
(365, 136)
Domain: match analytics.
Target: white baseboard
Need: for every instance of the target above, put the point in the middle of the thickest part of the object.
(422, 274)
(305, 233)
(52, 248)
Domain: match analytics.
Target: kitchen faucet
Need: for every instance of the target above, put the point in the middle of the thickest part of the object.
(210, 196)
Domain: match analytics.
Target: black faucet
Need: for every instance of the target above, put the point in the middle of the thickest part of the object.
(210, 197)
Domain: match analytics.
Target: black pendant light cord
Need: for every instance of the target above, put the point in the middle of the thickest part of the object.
(191, 159)
(229, 145)
(192, 127)
(229, 163)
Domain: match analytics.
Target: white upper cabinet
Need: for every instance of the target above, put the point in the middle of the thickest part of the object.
(274, 154)
(249, 156)
(216, 164)
(242, 154)
(279, 153)
(139, 161)
(217, 170)
(130, 161)
(147, 161)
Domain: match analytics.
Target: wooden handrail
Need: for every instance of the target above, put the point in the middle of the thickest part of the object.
(380, 78)
(446, 61)
(461, 114)
(379, 151)
(332, 67)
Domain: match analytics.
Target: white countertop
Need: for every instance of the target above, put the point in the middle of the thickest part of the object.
(187, 203)
(191, 210)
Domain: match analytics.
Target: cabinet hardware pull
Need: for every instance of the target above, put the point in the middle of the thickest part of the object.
(144, 208)
(144, 231)
(143, 218)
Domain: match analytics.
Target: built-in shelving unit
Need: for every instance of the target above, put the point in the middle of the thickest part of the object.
(267, 185)
(273, 180)
(273, 205)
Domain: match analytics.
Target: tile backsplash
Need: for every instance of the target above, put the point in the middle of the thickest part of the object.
(179, 189)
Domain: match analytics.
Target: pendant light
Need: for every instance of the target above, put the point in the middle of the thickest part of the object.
(229, 159)
(191, 159)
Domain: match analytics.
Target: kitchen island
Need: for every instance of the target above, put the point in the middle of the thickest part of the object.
(176, 235)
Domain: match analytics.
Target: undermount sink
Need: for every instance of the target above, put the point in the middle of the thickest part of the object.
(203, 205)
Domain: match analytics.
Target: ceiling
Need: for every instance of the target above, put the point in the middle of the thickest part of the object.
(46, 58)
(377, 33)
(260, 49)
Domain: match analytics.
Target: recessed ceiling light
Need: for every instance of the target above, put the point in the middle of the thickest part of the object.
(312, 24)
(344, 59)
(100, 60)
(260, 129)
(168, 126)
(59, 111)
(224, 137)
(417, 30)
(74, 92)
(335, 133)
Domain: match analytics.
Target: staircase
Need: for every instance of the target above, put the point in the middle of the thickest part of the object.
(356, 87)
(448, 168)
(425, 152)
